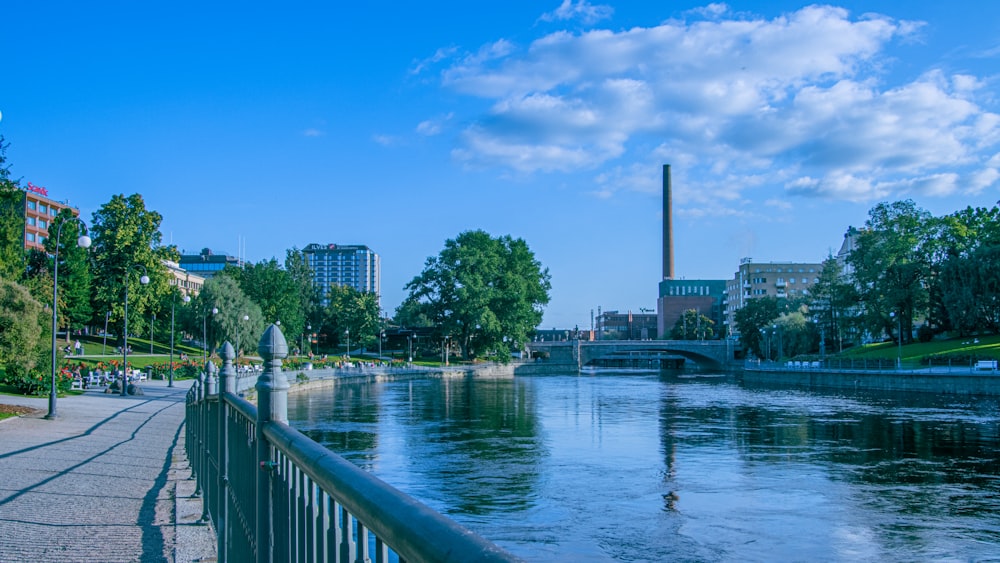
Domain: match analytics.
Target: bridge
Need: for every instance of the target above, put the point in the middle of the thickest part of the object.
(576, 354)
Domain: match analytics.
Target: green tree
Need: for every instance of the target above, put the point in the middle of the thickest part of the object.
(757, 314)
(351, 310)
(892, 266)
(833, 301)
(301, 274)
(126, 238)
(74, 271)
(275, 291)
(224, 293)
(11, 220)
(692, 325)
(487, 293)
(23, 338)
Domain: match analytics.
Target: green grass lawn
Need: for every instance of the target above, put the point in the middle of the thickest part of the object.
(987, 347)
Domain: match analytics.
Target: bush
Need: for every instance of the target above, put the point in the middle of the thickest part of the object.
(925, 333)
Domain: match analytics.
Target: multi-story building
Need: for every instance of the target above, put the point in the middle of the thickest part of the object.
(626, 326)
(206, 264)
(39, 210)
(349, 265)
(188, 283)
(703, 296)
(754, 280)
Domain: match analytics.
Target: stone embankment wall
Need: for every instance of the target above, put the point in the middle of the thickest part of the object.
(967, 383)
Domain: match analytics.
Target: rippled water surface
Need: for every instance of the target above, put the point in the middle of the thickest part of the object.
(651, 467)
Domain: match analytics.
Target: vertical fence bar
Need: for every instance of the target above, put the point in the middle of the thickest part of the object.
(227, 385)
(272, 405)
(207, 486)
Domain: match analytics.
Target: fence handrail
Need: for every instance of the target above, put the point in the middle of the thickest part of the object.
(403, 522)
(274, 493)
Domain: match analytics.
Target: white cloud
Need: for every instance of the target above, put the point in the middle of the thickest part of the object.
(312, 132)
(385, 140)
(581, 10)
(432, 127)
(797, 100)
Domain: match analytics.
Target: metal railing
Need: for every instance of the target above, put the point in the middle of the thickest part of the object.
(275, 495)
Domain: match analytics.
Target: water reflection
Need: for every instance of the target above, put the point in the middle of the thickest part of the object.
(647, 467)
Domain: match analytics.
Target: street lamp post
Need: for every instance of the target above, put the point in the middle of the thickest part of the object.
(381, 336)
(82, 242)
(104, 349)
(245, 318)
(781, 348)
(899, 350)
(152, 319)
(347, 333)
(204, 336)
(144, 279)
(173, 302)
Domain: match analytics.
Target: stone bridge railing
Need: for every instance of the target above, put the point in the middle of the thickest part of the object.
(575, 354)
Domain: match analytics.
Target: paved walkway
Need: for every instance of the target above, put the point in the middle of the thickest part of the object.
(106, 481)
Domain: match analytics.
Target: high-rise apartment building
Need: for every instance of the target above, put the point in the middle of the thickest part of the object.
(347, 265)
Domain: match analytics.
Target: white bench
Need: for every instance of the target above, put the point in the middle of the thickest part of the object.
(986, 364)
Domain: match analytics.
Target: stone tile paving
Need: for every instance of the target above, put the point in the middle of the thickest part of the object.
(105, 481)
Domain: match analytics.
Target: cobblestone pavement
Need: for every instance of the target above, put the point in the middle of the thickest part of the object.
(106, 481)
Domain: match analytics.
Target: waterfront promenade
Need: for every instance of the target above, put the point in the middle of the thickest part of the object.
(106, 481)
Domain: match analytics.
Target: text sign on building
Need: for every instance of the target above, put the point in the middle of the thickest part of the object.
(36, 189)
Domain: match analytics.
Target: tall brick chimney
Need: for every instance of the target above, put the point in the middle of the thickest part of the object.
(668, 228)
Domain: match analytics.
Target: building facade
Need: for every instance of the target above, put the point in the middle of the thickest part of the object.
(348, 265)
(39, 211)
(206, 263)
(677, 296)
(753, 280)
(188, 283)
(612, 325)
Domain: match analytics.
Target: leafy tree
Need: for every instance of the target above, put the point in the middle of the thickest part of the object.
(971, 296)
(353, 310)
(797, 334)
(224, 293)
(275, 291)
(486, 292)
(74, 271)
(301, 274)
(126, 237)
(833, 300)
(23, 338)
(413, 314)
(892, 266)
(756, 315)
(693, 326)
(11, 220)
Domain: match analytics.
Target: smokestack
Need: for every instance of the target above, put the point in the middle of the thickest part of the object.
(668, 227)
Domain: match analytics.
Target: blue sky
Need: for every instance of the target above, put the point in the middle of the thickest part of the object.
(400, 125)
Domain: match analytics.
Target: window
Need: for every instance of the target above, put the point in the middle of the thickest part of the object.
(31, 237)
(43, 224)
(31, 221)
(42, 208)
(31, 205)
(52, 211)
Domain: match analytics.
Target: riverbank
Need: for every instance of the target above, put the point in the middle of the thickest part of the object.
(938, 380)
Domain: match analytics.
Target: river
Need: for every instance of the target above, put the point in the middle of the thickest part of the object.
(655, 467)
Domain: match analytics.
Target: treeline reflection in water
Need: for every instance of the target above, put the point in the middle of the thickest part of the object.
(651, 467)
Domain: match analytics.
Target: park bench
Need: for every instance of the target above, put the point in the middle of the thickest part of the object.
(986, 364)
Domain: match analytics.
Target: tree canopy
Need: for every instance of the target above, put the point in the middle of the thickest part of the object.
(126, 243)
(488, 293)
